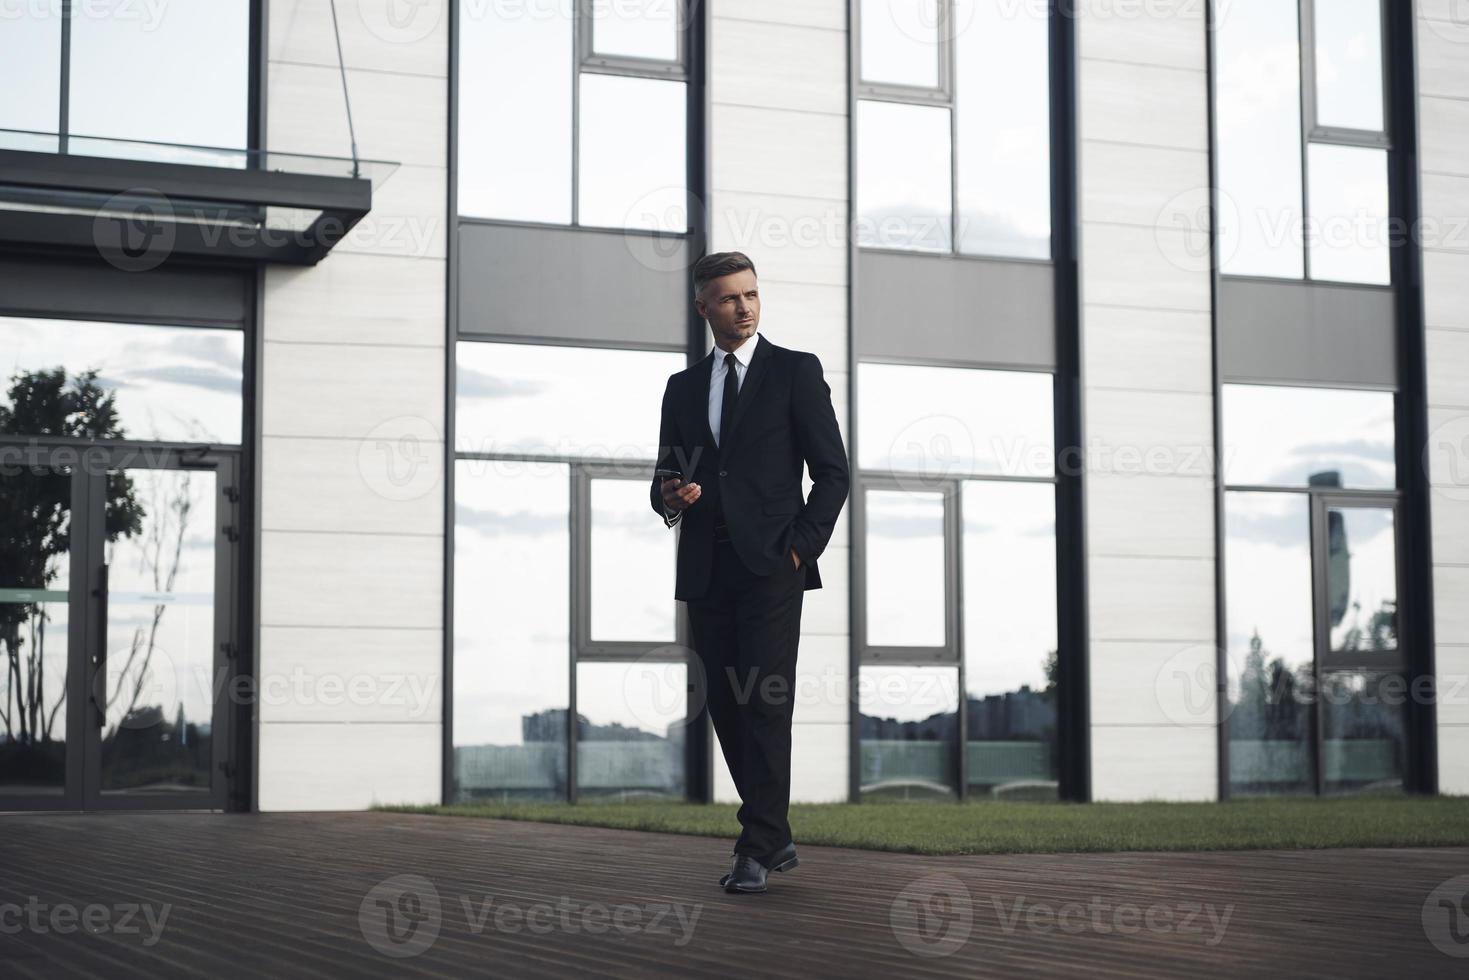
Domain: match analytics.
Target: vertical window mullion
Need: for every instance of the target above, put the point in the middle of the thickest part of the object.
(1307, 65)
(63, 121)
(948, 79)
(955, 588)
(579, 34)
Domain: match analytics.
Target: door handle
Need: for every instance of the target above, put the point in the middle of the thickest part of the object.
(99, 658)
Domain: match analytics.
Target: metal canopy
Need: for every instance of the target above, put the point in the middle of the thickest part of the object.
(138, 204)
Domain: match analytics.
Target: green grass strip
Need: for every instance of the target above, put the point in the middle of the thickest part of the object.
(1023, 828)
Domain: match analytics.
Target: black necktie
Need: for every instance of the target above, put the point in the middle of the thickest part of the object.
(731, 392)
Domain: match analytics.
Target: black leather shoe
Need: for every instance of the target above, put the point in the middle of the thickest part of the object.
(746, 876)
(782, 860)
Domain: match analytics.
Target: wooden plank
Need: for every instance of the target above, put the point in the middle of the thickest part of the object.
(283, 895)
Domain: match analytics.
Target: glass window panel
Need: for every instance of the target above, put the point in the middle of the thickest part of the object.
(1362, 728)
(1361, 579)
(165, 383)
(35, 579)
(178, 73)
(1271, 653)
(909, 727)
(1002, 96)
(632, 170)
(1349, 64)
(904, 177)
(1009, 554)
(900, 42)
(1258, 108)
(515, 151)
(30, 63)
(561, 401)
(905, 570)
(512, 645)
(630, 729)
(1349, 214)
(632, 571)
(636, 28)
(941, 421)
(1276, 435)
(160, 635)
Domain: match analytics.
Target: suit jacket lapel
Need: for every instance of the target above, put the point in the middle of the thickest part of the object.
(698, 400)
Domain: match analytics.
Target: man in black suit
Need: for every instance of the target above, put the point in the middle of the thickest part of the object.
(738, 426)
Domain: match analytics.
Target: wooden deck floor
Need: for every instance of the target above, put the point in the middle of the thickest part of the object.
(335, 895)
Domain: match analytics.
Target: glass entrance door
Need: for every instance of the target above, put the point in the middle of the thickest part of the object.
(39, 755)
(118, 629)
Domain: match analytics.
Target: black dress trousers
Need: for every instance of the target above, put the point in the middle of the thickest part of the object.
(745, 630)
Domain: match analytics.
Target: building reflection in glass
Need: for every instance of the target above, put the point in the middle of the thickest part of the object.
(1271, 653)
(904, 569)
(1281, 436)
(34, 619)
(173, 384)
(1361, 579)
(909, 730)
(1009, 562)
(632, 571)
(160, 636)
(511, 633)
(1362, 731)
(630, 730)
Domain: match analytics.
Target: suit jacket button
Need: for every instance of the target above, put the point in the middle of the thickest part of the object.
(724, 473)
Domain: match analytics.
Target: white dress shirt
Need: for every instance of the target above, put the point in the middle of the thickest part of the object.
(743, 355)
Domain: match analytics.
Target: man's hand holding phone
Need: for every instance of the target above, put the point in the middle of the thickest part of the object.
(677, 495)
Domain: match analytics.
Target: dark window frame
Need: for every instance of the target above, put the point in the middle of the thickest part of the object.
(1312, 129)
(952, 654)
(581, 648)
(1323, 660)
(585, 60)
(1311, 132)
(588, 59)
(943, 96)
(253, 18)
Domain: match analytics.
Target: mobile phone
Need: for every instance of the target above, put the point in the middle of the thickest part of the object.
(664, 473)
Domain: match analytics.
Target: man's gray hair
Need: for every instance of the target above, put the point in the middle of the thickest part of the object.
(718, 264)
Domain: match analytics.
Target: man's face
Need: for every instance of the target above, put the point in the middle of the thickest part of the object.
(731, 304)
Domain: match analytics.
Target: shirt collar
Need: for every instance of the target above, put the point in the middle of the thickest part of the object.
(743, 353)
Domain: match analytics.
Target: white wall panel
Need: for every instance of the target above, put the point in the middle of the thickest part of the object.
(351, 562)
(347, 766)
(1443, 110)
(1147, 377)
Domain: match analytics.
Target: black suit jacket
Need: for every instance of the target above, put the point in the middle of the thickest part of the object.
(783, 419)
